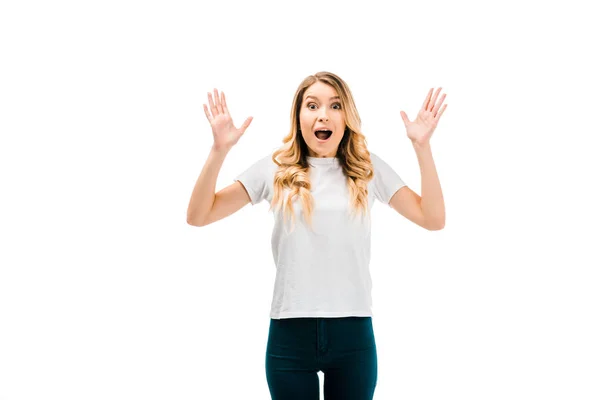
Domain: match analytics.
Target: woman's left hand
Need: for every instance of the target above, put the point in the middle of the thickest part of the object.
(420, 130)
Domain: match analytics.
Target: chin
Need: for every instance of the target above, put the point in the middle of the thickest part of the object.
(319, 151)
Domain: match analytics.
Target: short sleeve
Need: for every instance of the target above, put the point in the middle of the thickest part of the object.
(257, 179)
(386, 181)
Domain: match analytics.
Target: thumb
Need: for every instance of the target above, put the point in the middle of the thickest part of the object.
(245, 125)
(404, 118)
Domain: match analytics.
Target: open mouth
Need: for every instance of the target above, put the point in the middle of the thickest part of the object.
(323, 135)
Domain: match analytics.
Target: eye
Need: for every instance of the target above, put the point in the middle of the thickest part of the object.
(336, 106)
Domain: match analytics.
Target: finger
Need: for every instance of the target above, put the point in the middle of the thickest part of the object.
(404, 118)
(437, 117)
(213, 109)
(438, 104)
(224, 103)
(424, 107)
(245, 124)
(432, 102)
(207, 113)
(218, 102)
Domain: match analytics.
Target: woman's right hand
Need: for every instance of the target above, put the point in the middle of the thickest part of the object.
(225, 134)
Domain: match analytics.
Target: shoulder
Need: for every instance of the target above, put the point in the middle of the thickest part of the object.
(383, 170)
(264, 163)
(377, 162)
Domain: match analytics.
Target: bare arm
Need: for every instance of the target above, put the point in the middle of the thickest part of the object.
(205, 206)
(427, 210)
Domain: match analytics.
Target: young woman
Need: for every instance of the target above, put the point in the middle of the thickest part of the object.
(321, 185)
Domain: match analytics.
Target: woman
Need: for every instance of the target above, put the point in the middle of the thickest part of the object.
(321, 185)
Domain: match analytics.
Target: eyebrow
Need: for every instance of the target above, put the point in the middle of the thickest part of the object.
(313, 97)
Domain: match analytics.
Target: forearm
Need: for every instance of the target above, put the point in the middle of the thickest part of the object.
(432, 199)
(203, 195)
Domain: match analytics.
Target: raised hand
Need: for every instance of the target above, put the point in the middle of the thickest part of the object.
(420, 130)
(225, 134)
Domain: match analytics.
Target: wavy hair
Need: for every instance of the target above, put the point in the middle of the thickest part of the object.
(293, 169)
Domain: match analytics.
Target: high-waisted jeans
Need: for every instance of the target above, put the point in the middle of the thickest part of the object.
(342, 348)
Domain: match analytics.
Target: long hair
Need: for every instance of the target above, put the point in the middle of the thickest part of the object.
(293, 168)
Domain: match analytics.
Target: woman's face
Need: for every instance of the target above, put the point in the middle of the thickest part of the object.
(321, 109)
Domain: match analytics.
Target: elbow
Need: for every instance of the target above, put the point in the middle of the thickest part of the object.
(195, 221)
(436, 225)
(437, 228)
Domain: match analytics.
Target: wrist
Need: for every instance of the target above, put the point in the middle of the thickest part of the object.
(421, 145)
(223, 150)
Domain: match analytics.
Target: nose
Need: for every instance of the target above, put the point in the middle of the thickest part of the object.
(323, 116)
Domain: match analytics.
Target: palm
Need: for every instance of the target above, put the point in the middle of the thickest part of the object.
(222, 124)
(225, 134)
(421, 129)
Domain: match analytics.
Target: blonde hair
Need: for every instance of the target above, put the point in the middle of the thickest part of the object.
(293, 168)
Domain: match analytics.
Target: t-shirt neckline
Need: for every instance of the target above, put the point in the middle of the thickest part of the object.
(322, 160)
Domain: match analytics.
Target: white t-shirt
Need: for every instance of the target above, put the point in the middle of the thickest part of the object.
(323, 272)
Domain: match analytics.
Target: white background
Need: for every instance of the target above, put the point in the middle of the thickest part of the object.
(107, 293)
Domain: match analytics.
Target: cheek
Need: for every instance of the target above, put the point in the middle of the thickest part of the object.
(303, 120)
(342, 132)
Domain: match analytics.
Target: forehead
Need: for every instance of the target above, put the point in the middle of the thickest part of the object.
(320, 90)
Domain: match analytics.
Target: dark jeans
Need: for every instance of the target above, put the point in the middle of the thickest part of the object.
(342, 348)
